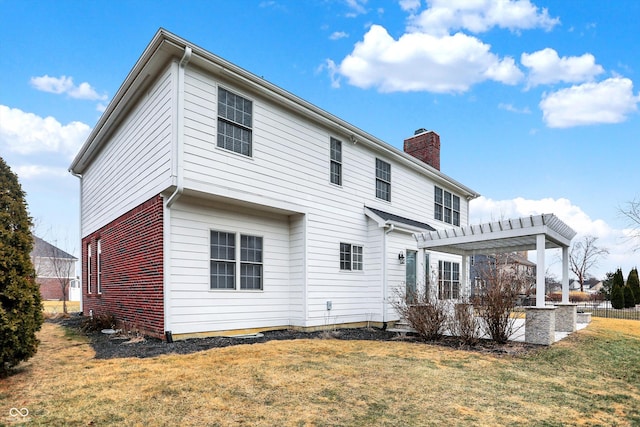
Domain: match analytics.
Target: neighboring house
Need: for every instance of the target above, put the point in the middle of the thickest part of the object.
(213, 201)
(515, 264)
(55, 267)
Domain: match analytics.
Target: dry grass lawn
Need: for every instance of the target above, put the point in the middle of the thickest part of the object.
(591, 378)
(55, 307)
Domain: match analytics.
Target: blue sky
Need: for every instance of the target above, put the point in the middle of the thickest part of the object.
(536, 102)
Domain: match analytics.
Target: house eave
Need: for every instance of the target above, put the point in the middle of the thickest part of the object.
(166, 46)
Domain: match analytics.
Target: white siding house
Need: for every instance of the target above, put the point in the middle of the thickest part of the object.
(222, 203)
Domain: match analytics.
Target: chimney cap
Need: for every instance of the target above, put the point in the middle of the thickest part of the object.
(419, 131)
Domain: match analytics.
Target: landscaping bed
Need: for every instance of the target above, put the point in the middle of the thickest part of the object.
(119, 345)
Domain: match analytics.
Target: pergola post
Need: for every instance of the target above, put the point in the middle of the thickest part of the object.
(464, 278)
(540, 269)
(565, 275)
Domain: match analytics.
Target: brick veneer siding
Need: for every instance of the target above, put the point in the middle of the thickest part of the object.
(50, 288)
(132, 269)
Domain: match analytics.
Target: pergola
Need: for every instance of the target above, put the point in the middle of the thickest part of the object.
(538, 232)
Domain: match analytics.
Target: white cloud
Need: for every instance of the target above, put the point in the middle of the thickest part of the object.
(444, 16)
(546, 67)
(484, 209)
(26, 133)
(357, 7)
(64, 84)
(609, 101)
(423, 62)
(36, 171)
(337, 35)
(409, 5)
(511, 108)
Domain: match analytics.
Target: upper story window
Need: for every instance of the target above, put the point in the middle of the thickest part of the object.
(234, 122)
(383, 180)
(446, 207)
(336, 162)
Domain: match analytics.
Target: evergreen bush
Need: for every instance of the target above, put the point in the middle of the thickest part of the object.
(629, 298)
(617, 297)
(634, 283)
(20, 302)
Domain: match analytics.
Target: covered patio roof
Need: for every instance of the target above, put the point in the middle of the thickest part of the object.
(509, 235)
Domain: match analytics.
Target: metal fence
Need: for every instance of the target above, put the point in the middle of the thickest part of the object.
(612, 313)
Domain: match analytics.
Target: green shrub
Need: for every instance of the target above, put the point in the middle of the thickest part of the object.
(634, 282)
(20, 301)
(629, 298)
(617, 297)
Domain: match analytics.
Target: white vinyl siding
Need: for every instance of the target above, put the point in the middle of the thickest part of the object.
(195, 307)
(136, 163)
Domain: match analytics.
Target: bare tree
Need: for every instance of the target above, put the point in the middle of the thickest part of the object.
(55, 264)
(632, 212)
(583, 256)
(503, 280)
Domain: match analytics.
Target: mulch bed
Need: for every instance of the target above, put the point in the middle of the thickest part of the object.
(121, 346)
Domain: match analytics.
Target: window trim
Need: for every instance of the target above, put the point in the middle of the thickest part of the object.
(239, 261)
(444, 206)
(335, 161)
(235, 124)
(383, 180)
(89, 268)
(99, 266)
(356, 257)
(448, 288)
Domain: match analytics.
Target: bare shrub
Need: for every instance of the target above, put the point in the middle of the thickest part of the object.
(428, 315)
(99, 322)
(502, 282)
(464, 323)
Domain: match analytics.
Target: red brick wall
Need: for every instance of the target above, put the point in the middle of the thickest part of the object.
(50, 288)
(132, 269)
(426, 147)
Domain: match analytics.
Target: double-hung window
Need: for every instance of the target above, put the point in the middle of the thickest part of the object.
(351, 257)
(88, 268)
(234, 122)
(336, 162)
(383, 180)
(99, 266)
(446, 206)
(230, 260)
(448, 280)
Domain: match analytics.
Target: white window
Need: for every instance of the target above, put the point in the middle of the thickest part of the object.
(228, 261)
(446, 206)
(336, 162)
(88, 268)
(448, 280)
(234, 122)
(351, 257)
(383, 180)
(99, 266)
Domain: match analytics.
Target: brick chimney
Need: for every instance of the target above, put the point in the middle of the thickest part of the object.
(424, 145)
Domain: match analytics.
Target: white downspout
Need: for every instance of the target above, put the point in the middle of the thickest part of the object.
(180, 129)
(384, 273)
(79, 176)
(179, 175)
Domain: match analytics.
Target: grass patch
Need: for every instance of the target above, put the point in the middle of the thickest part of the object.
(55, 307)
(591, 378)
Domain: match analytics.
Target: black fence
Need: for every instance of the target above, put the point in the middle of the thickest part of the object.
(612, 313)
